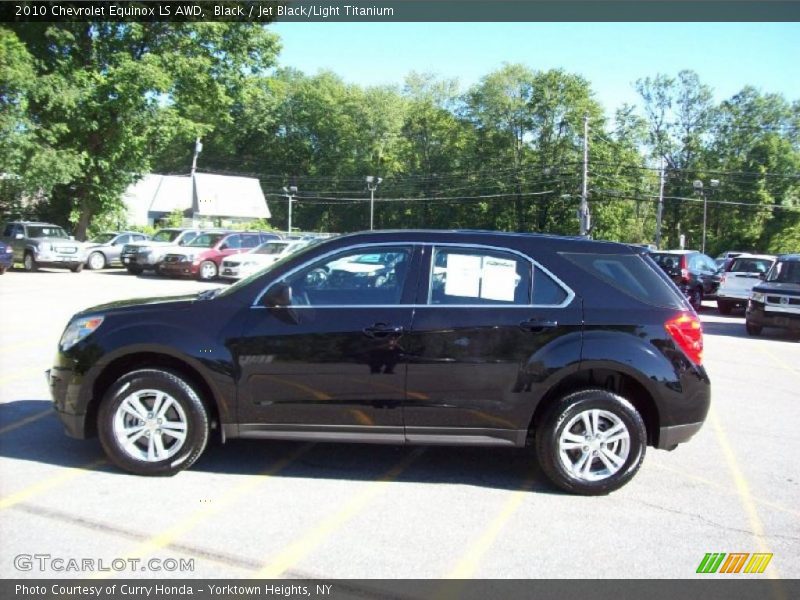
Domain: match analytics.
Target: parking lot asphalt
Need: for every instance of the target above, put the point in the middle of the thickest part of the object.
(281, 509)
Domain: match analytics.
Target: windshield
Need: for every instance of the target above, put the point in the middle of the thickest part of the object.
(166, 235)
(40, 231)
(206, 240)
(785, 272)
(104, 238)
(271, 248)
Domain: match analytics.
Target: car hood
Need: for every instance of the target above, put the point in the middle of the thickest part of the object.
(134, 304)
(773, 287)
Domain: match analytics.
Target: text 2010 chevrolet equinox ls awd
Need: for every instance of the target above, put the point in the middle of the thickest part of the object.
(583, 348)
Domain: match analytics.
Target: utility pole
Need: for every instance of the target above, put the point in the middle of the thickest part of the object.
(372, 184)
(290, 192)
(660, 210)
(583, 213)
(198, 148)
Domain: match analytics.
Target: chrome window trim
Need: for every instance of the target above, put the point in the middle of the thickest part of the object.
(433, 245)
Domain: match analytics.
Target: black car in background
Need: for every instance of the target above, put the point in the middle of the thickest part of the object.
(6, 257)
(582, 349)
(775, 302)
(696, 274)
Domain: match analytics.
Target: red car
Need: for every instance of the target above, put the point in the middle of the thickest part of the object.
(202, 256)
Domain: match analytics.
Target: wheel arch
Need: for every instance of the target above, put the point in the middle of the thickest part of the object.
(153, 360)
(607, 377)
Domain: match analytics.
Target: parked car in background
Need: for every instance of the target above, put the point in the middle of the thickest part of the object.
(692, 271)
(775, 302)
(260, 257)
(140, 256)
(6, 257)
(105, 250)
(38, 244)
(580, 348)
(741, 275)
(203, 256)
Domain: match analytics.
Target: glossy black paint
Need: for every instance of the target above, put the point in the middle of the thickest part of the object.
(411, 372)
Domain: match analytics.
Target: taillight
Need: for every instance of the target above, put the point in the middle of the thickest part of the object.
(687, 332)
(684, 269)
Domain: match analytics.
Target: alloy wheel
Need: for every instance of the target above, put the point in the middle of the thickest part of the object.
(150, 425)
(594, 445)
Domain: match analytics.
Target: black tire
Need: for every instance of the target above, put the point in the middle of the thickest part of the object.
(194, 411)
(2, 270)
(29, 263)
(550, 428)
(76, 268)
(696, 299)
(135, 269)
(204, 273)
(724, 307)
(96, 261)
(752, 328)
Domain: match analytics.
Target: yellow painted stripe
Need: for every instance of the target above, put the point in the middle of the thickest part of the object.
(169, 535)
(25, 421)
(468, 564)
(63, 476)
(302, 547)
(742, 487)
(779, 361)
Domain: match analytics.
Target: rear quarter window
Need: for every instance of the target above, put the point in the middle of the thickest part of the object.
(632, 274)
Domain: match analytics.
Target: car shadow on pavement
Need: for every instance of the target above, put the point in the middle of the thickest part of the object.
(735, 328)
(31, 431)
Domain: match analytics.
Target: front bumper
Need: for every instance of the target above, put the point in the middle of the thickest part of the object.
(64, 390)
(757, 315)
(179, 269)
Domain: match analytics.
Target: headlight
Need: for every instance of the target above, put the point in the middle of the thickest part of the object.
(77, 330)
(758, 297)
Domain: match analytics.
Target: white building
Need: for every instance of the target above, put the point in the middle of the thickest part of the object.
(205, 199)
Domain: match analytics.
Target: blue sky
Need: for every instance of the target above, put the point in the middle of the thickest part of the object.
(611, 56)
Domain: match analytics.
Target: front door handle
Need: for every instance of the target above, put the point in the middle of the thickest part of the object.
(379, 330)
(537, 325)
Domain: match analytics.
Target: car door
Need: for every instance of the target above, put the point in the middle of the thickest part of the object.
(485, 339)
(328, 361)
(115, 248)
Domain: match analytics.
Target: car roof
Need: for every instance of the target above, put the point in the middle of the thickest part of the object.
(748, 255)
(789, 257)
(676, 251)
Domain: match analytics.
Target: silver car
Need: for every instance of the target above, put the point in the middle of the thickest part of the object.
(105, 249)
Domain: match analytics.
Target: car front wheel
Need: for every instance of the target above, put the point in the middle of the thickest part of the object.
(135, 269)
(724, 307)
(152, 422)
(97, 261)
(591, 442)
(208, 270)
(696, 299)
(29, 263)
(752, 328)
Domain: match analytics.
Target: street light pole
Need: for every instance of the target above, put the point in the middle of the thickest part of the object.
(290, 191)
(698, 186)
(583, 212)
(372, 185)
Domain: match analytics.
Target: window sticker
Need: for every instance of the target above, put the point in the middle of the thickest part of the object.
(463, 275)
(499, 280)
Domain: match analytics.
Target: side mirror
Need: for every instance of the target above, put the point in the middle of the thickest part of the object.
(279, 295)
(19, 236)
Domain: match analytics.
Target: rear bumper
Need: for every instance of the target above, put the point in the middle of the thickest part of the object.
(671, 436)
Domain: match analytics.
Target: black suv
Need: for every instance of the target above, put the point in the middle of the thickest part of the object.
(696, 274)
(775, 302)
(583, 349)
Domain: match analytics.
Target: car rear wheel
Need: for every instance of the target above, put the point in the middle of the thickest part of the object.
(208, 270)
(97, 261)
(152, 422)
(29, 263)
(591, 442)
(724, 307)
(752, 328)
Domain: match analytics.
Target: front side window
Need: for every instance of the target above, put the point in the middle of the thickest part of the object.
(360, 277)
(42, 231)
(477, 276)
(785, 272)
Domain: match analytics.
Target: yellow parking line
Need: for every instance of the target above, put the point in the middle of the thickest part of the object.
(49, 483)
(742, 487)
(301, 548)
(779, 361)
(469, 561)
(726, 489)
(168, 536)
(26, 420)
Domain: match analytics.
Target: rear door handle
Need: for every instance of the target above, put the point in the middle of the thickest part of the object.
(537, 325)
(379, 330)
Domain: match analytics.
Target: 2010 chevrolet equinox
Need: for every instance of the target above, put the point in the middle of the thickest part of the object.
(583, 349)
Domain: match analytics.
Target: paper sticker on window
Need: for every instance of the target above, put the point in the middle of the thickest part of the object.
(499, 279)
(463, 275)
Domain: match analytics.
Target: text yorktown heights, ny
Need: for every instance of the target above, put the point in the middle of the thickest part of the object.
(162, 590)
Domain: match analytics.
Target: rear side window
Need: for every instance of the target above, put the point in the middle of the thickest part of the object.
(631, 274)
(750, 265)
